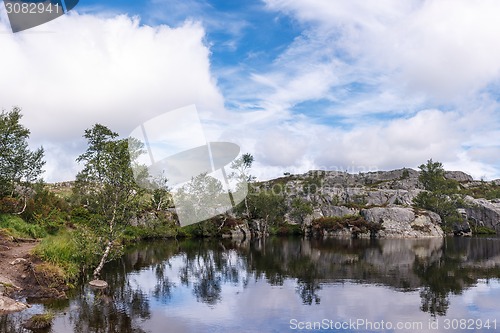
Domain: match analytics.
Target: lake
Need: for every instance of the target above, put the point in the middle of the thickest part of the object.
(289, 285)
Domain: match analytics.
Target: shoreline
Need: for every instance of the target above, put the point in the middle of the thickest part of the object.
(23, 277)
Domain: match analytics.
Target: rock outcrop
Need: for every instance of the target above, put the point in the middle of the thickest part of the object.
(402, 222)
(385, 196)
(483, 213)
(459, 176)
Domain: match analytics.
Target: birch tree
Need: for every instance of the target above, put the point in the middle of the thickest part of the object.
(107, 186)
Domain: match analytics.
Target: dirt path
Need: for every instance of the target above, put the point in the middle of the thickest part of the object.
(10, 250)
(23, 276)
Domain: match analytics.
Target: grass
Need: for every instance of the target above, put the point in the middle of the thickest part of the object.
(53, 275)
(40, 321)
(355, 223)
(62, 251)
(134, 233)
(481, 230)
(18, 228)
(483, 190)
(286, 230)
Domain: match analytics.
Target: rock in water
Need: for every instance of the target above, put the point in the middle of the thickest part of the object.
(98, 283)
(39, 322)
(8, 305)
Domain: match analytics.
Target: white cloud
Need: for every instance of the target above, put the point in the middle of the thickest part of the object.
(442, 48)
(302, 145)
(82, 69)
(409, 80)
(402, 82)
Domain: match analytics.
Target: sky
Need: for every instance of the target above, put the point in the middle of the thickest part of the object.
(314, 84)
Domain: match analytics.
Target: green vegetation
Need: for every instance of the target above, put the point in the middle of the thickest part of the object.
(152, 231)
(481, 230)
(107, 186)
(442, 196)
(241, 168)
(300, 209)
(18, 164)
(39, 321)
(483, 190)
(18, 228)
(63, 251)
(86, 223)
(355, 223)
(287, 229)
(267, 206)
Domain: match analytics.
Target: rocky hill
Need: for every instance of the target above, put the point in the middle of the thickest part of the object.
(384, 201)
(387, 198)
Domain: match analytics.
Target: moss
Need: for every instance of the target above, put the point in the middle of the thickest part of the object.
(481, 230)
(287, 230)
(50, 275)
(422, 228)
(355, 223)
(39, 321)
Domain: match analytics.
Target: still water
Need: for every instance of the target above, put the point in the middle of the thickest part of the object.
(289, 285)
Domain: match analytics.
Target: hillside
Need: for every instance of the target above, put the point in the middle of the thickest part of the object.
(388, 198)
(384, 200)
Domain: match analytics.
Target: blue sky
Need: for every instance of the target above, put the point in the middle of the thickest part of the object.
(324, 84)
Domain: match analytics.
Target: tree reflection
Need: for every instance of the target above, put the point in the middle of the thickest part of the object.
(163, 288)
(101, 313)
(11, 323)
(308, 291)
(454, 270)
(208, 287)
(434, 302)
(436, 268)
(207, 266)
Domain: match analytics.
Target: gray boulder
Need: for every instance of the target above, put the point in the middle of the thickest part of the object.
(403, 222)
(483, 213)
(462, 228)
(8, 305)
(337, 211)
(459, 176)
(390, 196)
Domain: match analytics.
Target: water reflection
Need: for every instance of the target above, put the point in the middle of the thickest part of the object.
(194, 285)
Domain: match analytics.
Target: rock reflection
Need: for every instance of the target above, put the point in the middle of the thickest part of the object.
(159, 272)
(100, 312)
(436, 267)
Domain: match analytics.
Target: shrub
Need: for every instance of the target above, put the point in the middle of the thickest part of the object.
(287, 230)
(445, 206)
(10, 205)
(39, 322)
(481, 230)
(300, 209)
(17, 227)
(355, 223)
(80, 215)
